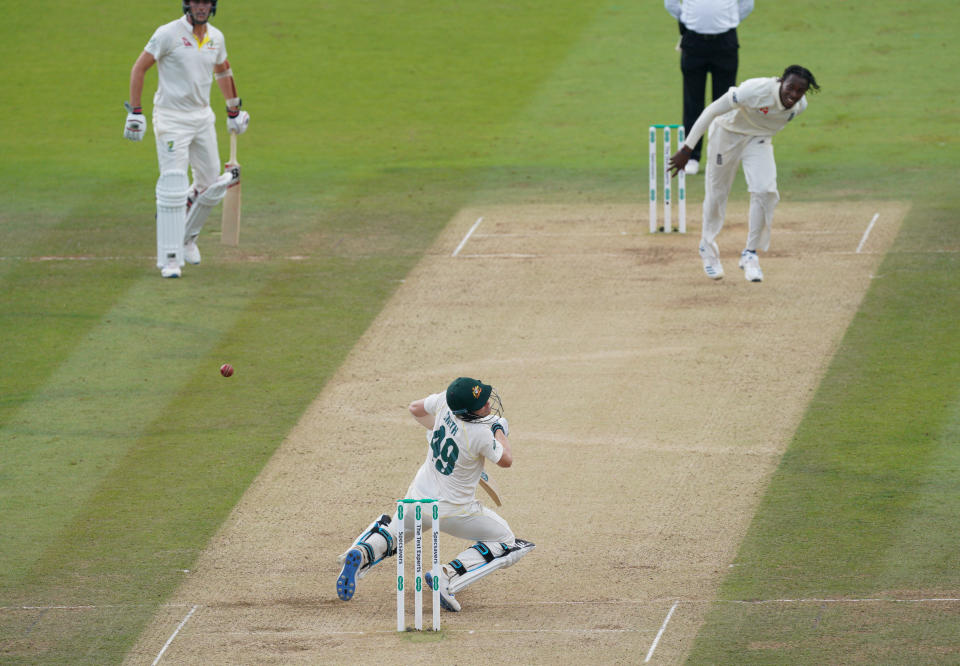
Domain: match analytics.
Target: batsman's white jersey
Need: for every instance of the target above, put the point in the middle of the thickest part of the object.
(185, 65)
(455, 456)
(183, 122)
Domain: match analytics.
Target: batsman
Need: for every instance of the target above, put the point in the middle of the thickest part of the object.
(189, 54)
(465, 428)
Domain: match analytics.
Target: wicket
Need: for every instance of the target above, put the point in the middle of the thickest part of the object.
(681, 181)
(418, 562)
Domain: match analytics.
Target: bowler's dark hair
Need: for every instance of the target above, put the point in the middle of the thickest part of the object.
(803, 73)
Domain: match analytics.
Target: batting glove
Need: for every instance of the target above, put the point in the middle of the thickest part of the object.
(501, 424)
(135, 125)
(237, 121)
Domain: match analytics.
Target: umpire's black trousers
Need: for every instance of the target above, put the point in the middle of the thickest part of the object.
(716, 55)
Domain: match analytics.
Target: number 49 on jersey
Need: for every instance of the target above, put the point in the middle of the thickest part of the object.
(445, 451)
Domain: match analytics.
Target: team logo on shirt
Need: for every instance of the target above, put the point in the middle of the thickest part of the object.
(765, 109)
(186, 42)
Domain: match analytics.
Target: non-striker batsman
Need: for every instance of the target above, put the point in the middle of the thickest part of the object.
(189, 53)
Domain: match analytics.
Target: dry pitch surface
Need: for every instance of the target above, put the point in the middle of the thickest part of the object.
(648, 406)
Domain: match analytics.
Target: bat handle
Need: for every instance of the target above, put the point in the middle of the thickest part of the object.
(233, 148)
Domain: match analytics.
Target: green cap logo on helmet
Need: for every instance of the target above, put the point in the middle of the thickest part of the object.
(467, 395)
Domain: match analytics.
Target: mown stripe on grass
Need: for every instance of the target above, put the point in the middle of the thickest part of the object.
(864, 503)
(195, 442)
(62, 438)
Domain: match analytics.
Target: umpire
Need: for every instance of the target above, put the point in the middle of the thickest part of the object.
(708, 44)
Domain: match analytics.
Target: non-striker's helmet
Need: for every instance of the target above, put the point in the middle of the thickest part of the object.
(213, 9)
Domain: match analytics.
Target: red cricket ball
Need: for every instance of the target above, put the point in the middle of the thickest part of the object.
(226, 369)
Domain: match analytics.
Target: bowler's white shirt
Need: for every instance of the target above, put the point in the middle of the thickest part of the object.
(709, 17)
(753, 108)
(759, 110)
(470, 444)
(185, 66)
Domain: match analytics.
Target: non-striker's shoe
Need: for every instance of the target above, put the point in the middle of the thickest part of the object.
(171, 270)
(191, 253)
(447, 601)
(711, 260)
(750, 265)
(347, 582)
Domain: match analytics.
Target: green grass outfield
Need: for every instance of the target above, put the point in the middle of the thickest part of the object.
(122, 448)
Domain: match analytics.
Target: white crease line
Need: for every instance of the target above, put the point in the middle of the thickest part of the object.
(663, 628)
(567, 602)
(42, 258)
(467, 237)
(309, 634)
(571, 602)
(838, 601)
(651, 602)
(174, 635)
(622, 254)
(74, 258)
(812, 232)
(49, 608)
(548, 234)
(893, 252)
(89, 607)
(866, 233)
(507, 255)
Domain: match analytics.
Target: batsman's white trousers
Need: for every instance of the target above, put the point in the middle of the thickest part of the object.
(725, 152)
(187, 139)
(473, 522)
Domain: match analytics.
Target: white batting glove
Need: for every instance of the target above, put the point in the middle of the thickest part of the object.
(238, 123)
(136, 123)
(501, 424)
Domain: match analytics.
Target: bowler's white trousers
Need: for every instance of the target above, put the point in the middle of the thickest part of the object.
(726, 150)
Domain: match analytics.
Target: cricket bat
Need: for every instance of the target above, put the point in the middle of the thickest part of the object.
(487, 484)
(230, 224)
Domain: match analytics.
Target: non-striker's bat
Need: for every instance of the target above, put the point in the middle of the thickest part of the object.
(230, 226)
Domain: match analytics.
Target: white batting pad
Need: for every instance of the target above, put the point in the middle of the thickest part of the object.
(172, 189)
(206, 200)
(457, 583)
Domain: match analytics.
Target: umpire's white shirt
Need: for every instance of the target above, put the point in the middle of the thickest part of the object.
(455, 456)
(709, 17)
(185, 66)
